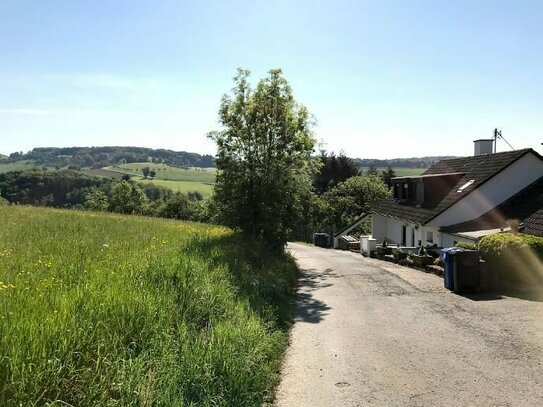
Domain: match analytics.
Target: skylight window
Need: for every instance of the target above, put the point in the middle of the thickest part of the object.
(467, 184)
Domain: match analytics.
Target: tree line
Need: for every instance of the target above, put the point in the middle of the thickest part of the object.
(98, 157)
(414, 162)
(75, 190)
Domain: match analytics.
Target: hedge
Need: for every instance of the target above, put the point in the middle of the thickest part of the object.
(516, 257)
(465, 245)
(499, 243)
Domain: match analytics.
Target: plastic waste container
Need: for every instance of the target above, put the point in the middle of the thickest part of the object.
(448, 266)
(321, 239)
(466, 271)
(461, 269)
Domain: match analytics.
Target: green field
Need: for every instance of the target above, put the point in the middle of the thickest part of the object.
(99, 309)
(177, 179)
(400, 172)
(166, 172)
(18, 166)
(181, 186)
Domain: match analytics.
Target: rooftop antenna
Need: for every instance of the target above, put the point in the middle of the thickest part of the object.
(498, 135)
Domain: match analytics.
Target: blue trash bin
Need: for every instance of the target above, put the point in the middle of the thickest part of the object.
(448, 266)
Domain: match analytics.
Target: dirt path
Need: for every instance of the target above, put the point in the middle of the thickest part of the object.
(369, 336)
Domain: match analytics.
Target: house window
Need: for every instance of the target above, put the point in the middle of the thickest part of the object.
(467, 184)
(430, 236)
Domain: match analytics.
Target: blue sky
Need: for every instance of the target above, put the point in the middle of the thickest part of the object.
(383, 78)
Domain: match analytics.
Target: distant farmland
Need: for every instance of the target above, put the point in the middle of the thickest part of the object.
(177, 179)
(19, 166)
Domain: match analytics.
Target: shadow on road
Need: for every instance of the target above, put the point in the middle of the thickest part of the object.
(307, 307)
(526, 294)
(482, 297)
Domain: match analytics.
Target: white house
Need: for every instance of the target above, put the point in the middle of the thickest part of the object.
(463, 199)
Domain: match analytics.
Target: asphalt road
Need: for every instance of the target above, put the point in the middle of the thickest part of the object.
(368, 333)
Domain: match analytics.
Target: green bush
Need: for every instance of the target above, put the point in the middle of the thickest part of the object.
(499, 243)
(465, 245)
(516, 257)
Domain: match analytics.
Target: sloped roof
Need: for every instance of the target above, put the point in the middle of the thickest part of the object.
(477, 168)
(526, 206)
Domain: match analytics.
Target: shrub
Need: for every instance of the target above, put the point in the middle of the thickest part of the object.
(516, 257)
(177, 207)
(465, 245)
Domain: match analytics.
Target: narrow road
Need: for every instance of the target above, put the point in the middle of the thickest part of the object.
(372, 334)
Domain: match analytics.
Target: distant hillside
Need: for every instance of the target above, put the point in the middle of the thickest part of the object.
(98, 157)
(414, 162)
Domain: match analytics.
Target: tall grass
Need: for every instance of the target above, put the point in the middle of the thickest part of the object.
(99, 309)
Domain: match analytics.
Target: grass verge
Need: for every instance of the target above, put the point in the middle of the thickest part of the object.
(101, 309)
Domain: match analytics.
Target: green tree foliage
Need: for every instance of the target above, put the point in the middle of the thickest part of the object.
(152, 173)
(97, 157)
(195, 196)
(387, 175)
(146, 171)
(333, 170)
(372, 170)
(344, 203)
(263, 155)
(177, 207)
(96, 200)
(127, 197)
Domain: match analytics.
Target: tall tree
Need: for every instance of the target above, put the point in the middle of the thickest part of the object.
(333, 170)
(387, 175)
(127, 197)
(372, 170)
(263, 158)
(351, 198)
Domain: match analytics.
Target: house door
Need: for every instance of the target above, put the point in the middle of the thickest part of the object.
(404, 235)
(412, 237)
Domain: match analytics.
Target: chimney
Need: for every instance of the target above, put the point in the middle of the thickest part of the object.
(483, 146)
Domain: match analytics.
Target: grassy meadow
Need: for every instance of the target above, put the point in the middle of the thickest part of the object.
(181, 186)
(103, 309)
(177, 179)
(18, 166)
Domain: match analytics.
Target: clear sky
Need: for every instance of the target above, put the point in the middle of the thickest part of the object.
(383, 78)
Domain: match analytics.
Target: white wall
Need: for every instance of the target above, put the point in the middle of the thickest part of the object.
(378, 227)
(391, 228)
(424, 234)
(394, 231)
(492, 193)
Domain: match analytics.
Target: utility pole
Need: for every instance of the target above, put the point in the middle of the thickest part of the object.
(497, 135)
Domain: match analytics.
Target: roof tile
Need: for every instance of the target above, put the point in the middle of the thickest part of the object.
(477, 168)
